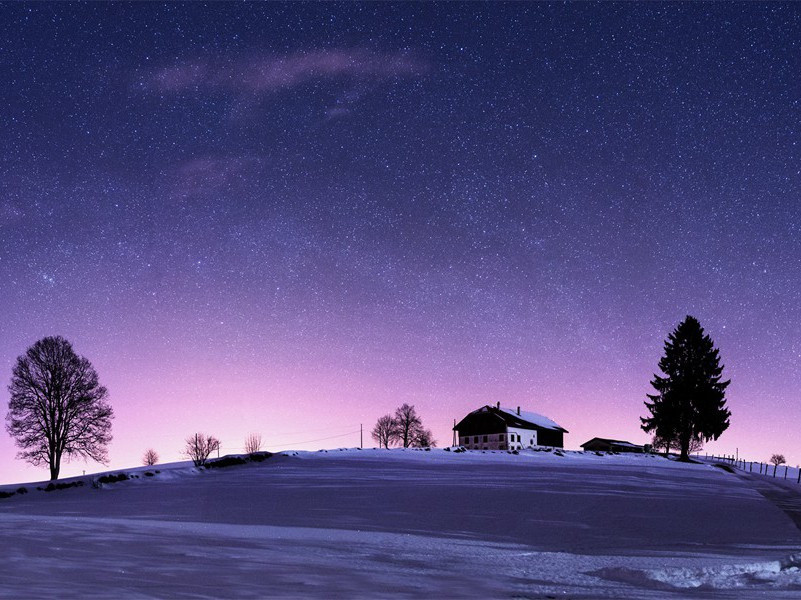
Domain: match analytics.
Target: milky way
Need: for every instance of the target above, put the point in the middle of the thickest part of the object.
(291, 218)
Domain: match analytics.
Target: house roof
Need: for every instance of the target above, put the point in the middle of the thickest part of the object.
(525, 420)
(611, 442)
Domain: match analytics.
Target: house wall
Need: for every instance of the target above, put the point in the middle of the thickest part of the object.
(549, 437)
(522, 438)
(486, 441)
(513, 439)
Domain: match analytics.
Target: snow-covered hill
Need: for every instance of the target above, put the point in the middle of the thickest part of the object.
(378, 523)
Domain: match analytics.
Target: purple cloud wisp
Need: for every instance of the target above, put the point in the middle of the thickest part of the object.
(264, 74)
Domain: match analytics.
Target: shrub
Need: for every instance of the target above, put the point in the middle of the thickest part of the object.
(259, 456)
(6, 494)
(62, 486)
(226, 461)
(22, 490)
(112, 478)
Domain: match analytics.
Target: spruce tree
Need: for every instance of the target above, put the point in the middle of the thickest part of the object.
(690, 400)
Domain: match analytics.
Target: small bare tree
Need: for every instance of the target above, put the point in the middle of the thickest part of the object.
(199, 447)
(150, 457)
(776, 460)
(424, 439)
(253, 443)
(384, 431)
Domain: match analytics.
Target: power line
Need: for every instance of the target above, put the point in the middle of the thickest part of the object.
(322, 439)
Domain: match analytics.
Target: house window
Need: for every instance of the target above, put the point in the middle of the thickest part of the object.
(512, 437)
(475, 439)
(500, 437)
(485, 439)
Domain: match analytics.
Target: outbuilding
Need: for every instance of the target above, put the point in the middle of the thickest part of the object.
(497, 428)
(606, 445)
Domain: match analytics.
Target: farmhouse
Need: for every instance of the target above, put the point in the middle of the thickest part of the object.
(496, 428)
(606, 445)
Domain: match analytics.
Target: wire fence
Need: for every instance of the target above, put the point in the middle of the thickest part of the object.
(782, 471)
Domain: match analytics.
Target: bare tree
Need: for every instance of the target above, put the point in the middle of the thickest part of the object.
(57, 406)
(424, 439)
(199, 447)
(408, 425)
(776, 460)
(384, 431)
(150, 457)
(253, 443)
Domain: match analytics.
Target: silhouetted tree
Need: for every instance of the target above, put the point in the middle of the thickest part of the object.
(776, 460)
(690, 403)
(424, 439)
(408, 425)
(661, 422)
(253, 443)
(57, 406)
(199, 447)
(384, 431)
(150, 457)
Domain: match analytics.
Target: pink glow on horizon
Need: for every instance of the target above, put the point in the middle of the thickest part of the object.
(160, 399)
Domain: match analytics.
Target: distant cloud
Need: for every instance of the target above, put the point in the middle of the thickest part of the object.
(209, 175)
(266, 74)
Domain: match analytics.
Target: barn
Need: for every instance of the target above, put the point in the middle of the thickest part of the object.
(497, 428)
(606, 445)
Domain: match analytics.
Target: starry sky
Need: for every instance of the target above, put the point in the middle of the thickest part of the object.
(291, 218)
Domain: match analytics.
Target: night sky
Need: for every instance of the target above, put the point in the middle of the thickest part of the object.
(292, 218)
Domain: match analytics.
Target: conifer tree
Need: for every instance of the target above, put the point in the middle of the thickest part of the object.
(690, 403)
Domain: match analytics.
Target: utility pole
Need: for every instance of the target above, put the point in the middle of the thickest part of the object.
(361, 436)
(454, 432)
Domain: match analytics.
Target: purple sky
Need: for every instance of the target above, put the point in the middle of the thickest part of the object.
(291, 218)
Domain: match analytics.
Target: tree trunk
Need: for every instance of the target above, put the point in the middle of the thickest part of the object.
(685, 448)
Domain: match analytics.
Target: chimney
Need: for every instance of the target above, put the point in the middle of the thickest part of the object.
(518, 411)
(498, 405)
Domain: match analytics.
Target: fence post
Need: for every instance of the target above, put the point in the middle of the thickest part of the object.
(774, 469)
(799, 476)
(785, 471)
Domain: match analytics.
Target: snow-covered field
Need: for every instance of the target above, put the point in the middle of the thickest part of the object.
(377, 523)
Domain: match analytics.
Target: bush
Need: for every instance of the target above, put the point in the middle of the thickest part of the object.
(259, 456)
(6, 494)
(113, 478)
(226, 461)
(22, 490)
(62, 486)
(149, 474)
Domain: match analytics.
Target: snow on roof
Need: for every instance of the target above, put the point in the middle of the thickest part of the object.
(533, 418)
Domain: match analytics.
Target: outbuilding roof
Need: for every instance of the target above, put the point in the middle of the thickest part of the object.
(611, 442)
